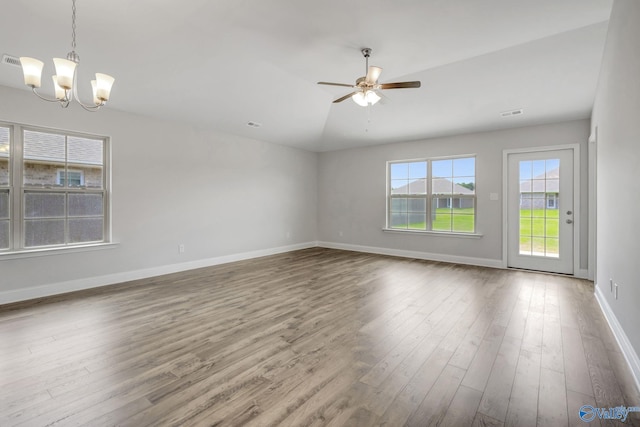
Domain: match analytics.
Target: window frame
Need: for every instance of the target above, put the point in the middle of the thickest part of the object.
(430, 197)
(18, 191)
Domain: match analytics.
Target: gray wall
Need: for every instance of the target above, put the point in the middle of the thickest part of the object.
(616, 116)
(351, 197)
(172, 183)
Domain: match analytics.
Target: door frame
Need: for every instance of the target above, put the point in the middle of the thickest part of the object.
(576, 199)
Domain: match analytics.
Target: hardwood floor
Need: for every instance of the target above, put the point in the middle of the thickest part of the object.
(315, 337)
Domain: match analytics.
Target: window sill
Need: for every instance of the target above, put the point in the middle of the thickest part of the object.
(30, 253)
(434, 233)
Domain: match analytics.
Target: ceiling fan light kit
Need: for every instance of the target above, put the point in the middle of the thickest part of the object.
(366, 87)
(66, 77)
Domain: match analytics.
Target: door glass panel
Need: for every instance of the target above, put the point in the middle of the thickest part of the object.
(539, 205)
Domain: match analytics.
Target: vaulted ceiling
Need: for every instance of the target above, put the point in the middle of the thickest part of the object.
(220, 64)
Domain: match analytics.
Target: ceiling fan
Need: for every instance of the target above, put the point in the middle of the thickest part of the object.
(366, 87)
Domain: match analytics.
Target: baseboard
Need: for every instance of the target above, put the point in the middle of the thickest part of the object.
(627, 350)
(481, 262)
(111, 279)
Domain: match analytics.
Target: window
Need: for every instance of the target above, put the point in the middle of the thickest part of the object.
(432, 195)
(74, 178)
(52, 189)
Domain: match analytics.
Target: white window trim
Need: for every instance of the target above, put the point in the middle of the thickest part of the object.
(17, 191)
(429, 198)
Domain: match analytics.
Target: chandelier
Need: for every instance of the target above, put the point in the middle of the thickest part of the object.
(66, 78)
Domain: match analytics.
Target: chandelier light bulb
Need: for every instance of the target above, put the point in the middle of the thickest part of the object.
(32, 70)
(60, 92)
(103, 86)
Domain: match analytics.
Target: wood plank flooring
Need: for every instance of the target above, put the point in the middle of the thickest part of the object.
(316, 337)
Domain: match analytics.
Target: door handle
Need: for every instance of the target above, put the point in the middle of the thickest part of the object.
(569, 221)
(569, 212)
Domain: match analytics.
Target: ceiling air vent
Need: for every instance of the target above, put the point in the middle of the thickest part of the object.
(11, 60)
(512, 113)
(253, 124)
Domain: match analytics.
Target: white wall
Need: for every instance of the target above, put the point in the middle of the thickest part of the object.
(616, 116)
(352, 185)
(221, 196)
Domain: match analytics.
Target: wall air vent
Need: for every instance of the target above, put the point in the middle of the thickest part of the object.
(11, 60)
(512, 113)
(253, 124)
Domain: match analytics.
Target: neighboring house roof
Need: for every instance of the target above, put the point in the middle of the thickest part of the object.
(440, 186)
(51, 147)
(543, 183)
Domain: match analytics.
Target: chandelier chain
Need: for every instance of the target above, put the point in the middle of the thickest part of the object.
(73, 25)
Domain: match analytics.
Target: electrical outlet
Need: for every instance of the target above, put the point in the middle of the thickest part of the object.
(288, 235)
(181, 248)
(616, 289)
(340, 233)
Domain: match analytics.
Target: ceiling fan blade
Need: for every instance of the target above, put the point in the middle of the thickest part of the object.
(372, 75)
(344, 97)
(335, 84)
(400, 85)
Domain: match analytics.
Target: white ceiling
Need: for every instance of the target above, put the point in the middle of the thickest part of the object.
(219, 64)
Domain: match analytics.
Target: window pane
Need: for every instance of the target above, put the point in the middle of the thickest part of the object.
(399, 220)
(464, 185)
(85, 151)
(553, 168)
(525, 171)
(4, 156)
(42, 174)
(417, 170)
(537, 244)
(538, 169)
(399, 186)
(418, 187)
(537, 227)
(464, 167)
(85, 230)
(417, 205)
(552, 226)
(44, 205)
(441, 221)
(44, 155)
(4, 234)
(442, 204)
(4, 204)
(552, 248)
(85, 156)
(525, 245)
(442, 168)
(85, 204)
(44, 232)
(88, 176)
(442, 186)
(399, 171)
(417, 221)
(398, 204)
(463, 223)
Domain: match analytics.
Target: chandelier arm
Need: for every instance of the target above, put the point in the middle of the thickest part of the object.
(33, 89)
(91, 108)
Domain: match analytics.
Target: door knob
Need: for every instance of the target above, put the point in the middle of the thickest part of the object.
(569, 212)
(569, 221)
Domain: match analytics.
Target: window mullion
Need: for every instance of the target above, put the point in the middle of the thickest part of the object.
(17, 185)
(429, 196)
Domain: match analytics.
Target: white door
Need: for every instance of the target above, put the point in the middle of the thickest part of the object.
(540, 211)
